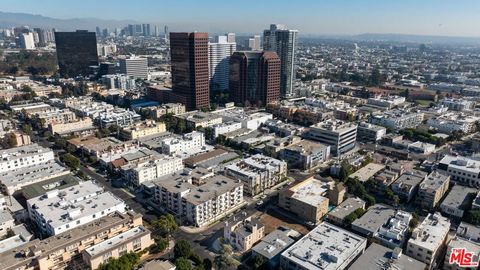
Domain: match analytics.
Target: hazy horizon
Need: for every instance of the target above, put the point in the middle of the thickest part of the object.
(322, 17)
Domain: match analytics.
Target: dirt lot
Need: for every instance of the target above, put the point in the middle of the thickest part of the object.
(272, 220)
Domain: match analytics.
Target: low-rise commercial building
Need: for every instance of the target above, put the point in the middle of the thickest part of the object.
(327, 247)
(432, 190)
(243, 233)
(463, 170)
(306, 200)
(367, 132)
(257, 172)
(428, 239)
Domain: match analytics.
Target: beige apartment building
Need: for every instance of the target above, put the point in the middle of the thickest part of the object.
(143, 129)
(432, 190)
(242, 233)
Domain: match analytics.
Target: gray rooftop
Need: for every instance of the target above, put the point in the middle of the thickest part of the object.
(459, 197)
(276, 242)
(378, 257)
(373, 219)
(347, 207)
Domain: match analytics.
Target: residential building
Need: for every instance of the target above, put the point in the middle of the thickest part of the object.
(200, 198)
(367, 132)
(271, 246)
(82, 126)
(367, 172)
(386, 102)
(463, 170)
(119, 81)
(336, 194)
(7, 222)
(168, 108)
(394, 232)
(219, 54)
(283, 41)
(254, 43)
(196, 119)
(457, 201)
(432, 190)
(24, 156)
(327, 247)
(26, 41)
(135, 67)
(179, 144)
(371, 222)
(151, 169)
(20, 138)
(60, 211)
(428, 239)
(56, 117)
(250, 121)
(378, 257)
(305, 154)
(242, 233)
(226, 127)
(142, 129)
(406, 186)
(254, 78)
(306, 200)
(66, 249)
(469, 232)
(339, 135)
(453, 122)
(189, 60)
(338, 214)
(118, 116)
(461, 105)
(32, 108)
(76, 52)
(257, 172)
(397, 119)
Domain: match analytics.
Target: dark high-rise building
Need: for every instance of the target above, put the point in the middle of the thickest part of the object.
(283, 41)
(146, 30)
(76, 51)
(254, 78)
(189, 60)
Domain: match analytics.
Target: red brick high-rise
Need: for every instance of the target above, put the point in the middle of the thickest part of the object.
(189, 60)
(254, 78)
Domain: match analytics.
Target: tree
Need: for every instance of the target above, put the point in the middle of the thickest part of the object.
(414, 221)
(183, 264)
(125, 262)
(207, 264)
(70, 160)
(27, 129)
(165, 225)
(182, 249)
(350, 218)
(224, 259)
(259, 262)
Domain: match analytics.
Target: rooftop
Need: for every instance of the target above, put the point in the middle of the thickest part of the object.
(378, 257)
(23, 151)
(310, 191)
(459, 197)
(306, 146)
(117, 240)
(374, 218)
(434, 181)
(347, 207)
(276, 242)
(27, 175)
(431, 232)
(367, 172)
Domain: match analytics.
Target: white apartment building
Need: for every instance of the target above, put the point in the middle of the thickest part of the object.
(117, 116)
(397, 119)
(251, 121)
(257, 172)
(428, 239)
(24, 156)
(27, 41)
(6, 222)
(152, 169)
(457, 104)
(58, 211)
(393, 233)
(387, 102)
(327, 247)
(367, 132)
(341, 136)
(218, 62)
(200, 198)
(463, 170)
(183, 143)
(118, 81)
(226, 127)
(135, 67)
(450, 122)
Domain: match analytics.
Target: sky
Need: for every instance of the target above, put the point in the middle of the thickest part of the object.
(310, 17)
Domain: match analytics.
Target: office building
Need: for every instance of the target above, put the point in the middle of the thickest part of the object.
(199, 198)
(463, 170)
(135, 67)
(327, 247)
(428, 239)
(306, 200)
(26, 41)
(253, 43)
(378, 257)
(432, 190)
(76, 52)
(243, 232)
(339, 135)
(58, 211)
(257, 172)
(254, 78)
(218, 61)
(146, 30)
(284, 42)
(189, 60)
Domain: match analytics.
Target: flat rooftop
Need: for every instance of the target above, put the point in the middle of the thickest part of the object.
(459, 197)
(27, 175)
(310, 191)
(461, 163)
(37, 189)
(434, 181)
(23, 151)
(347, 207)
(325, 247)
(378, 257)
(367, 172)
(276, 242)
(374, 218)
(306, 146)
(117, 240)
(431, 232)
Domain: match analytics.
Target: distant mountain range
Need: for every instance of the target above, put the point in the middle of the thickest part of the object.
(9, 19)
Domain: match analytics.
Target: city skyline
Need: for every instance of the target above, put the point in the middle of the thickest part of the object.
(340, 17)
